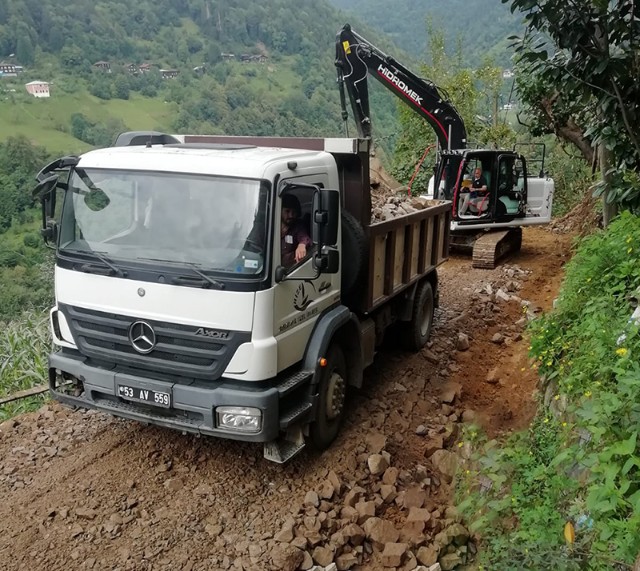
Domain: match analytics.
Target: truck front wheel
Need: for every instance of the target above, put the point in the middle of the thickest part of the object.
(418, 330)
(332, 390)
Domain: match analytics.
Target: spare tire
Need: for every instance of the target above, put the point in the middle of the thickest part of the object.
(354, 254)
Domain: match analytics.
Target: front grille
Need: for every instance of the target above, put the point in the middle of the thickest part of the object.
(178, 351)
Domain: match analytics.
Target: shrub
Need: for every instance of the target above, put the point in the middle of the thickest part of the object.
(579, 464)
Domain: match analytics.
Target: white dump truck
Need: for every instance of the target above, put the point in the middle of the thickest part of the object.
(175, 306)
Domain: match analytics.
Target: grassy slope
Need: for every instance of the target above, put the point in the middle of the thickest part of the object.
(44, 121)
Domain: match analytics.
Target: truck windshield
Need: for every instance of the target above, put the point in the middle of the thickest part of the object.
(215, 223)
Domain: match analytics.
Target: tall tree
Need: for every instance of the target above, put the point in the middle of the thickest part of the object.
(24, 48)
(456, 84)
(589, 49)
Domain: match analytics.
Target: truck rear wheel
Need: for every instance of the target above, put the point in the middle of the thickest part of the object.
(332, 390)
(418, 330)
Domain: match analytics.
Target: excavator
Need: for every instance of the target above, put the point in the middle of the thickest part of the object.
(487, 223)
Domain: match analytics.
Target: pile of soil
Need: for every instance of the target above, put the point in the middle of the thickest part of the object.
(581, 220)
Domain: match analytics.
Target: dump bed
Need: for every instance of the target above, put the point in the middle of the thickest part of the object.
(404, 249)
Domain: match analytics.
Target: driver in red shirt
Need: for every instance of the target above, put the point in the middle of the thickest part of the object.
(294, 239)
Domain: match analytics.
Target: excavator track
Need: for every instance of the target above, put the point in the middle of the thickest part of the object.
(494, 245)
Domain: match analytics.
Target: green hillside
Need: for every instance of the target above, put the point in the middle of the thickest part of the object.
(290, 91)
(47, 122)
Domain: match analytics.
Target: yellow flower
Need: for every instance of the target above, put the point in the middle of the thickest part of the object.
(557, 397)
(546, 420)
(564, 424)
(588, 280)
(629, 239)
(587, 394)
(622, 351)
(460, 444)
(629, 250)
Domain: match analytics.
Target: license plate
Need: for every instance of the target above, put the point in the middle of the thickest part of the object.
(157, 398)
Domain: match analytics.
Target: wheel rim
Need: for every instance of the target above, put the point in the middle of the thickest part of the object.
(335, 396)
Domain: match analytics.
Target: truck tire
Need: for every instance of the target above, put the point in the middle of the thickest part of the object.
(354, 253)
(418, 330)
(331, 400)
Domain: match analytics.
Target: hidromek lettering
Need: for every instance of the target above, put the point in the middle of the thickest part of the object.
(400, 84)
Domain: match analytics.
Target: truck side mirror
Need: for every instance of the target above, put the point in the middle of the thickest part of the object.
(327, 261)
(45, 191)
(326, 212)
(50, 232)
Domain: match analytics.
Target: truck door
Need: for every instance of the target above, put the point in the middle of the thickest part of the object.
(301, 297)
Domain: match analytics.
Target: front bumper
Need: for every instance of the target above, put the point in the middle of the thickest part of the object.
(282, 402)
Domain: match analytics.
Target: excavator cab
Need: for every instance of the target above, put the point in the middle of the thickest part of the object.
(504, 173)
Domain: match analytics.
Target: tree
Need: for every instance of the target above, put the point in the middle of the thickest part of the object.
(456, 84)
(4, 11)
(24, 49)
(80, 126)
(121, 87)
(101, 87)
(19, 161)
(72, 56)
(589, 49)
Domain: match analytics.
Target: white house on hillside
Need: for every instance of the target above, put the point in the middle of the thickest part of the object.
(38, 88)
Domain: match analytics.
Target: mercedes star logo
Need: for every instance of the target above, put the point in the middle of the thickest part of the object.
(142, 337)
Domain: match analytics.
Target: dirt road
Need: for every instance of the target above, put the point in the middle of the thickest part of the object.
(81, 490)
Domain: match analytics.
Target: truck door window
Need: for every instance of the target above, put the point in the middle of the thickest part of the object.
(295, 226)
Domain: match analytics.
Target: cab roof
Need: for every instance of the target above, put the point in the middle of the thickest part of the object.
(198, 158)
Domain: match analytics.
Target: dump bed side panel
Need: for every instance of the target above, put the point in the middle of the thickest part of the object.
(405, 249)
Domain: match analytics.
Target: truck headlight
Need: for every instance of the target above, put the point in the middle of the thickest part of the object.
(240, 418)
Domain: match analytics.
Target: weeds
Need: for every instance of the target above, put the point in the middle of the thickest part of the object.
(24, 349)
(579, 463)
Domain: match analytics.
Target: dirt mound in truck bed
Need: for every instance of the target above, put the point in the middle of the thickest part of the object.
(383, 184)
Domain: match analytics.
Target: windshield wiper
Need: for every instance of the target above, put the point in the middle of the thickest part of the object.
(206, 281)
(90, 268)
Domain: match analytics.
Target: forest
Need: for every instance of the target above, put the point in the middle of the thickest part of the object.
(480, 28)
